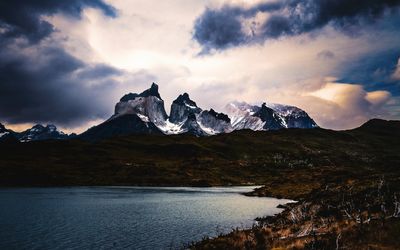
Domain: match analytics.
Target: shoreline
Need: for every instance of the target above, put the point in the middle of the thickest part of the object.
(343, 215)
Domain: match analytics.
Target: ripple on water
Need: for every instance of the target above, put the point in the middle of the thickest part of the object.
(123, 217)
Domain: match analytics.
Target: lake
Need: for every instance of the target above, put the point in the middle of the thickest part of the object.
(123, 217)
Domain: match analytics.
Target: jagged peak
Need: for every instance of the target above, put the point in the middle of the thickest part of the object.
(40, 127)
(152, 91)
(264, 108)
(185, 99)
(219, 116)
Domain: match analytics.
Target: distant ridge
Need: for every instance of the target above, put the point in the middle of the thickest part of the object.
(144, 113)
(147, 116)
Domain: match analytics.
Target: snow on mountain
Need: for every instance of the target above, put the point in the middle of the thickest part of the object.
(214, 123)
(144, 113)
(40, 132)
(268, 116)
(181, 108)
(242, 116)
(148, 105)
(191, 119)
(294, 117)
(3, 131)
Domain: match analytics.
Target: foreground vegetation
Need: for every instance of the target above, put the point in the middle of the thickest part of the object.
(347, 182)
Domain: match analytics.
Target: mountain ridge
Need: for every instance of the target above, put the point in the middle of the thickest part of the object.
(144, 113)
(186, 117)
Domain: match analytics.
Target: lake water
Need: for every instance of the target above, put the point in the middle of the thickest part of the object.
(123, 217)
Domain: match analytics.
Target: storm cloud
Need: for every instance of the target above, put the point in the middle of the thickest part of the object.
(39, 80)
(230, 25)
(52, 87)
(24, 18)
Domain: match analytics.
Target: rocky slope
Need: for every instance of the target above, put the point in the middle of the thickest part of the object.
(36, 133)
(6, 134)
(144, 113)
(40, 132)
(267, 116)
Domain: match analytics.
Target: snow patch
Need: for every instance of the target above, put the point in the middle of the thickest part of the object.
(143, 117)
(3, 134)
(209, 131)
(190, 106)
(170, 128)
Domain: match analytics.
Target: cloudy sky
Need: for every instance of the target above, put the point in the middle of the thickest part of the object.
(69, 62)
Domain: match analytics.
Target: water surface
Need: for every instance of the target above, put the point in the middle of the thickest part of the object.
(123, 217)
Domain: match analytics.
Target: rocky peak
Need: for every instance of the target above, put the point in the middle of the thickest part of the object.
(152, 91)
(40, 132)
(220, 116)
(264, 112)
(148, 105)
(2, 128)
(271, 119)
(182, 107)
(184, 99)
(214, 123)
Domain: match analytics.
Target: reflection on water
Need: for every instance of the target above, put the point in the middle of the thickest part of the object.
(123, 217)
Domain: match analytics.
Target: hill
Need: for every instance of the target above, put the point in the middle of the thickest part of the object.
(237, 158)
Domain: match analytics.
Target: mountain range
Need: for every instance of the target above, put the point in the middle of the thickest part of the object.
(145, 113)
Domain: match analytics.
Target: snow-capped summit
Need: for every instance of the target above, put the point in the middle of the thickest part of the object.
(191, 119)
(268, 116)
(294, 117)
(148, 105)
(40, 132)
(135, 113)
(242, 116)
(144, 113)
(272, 120)
(181, 108)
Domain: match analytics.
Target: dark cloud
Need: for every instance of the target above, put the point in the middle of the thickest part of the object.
(39, 81)
(23, 18)
(374, 70)
(54, 87)
(218, 29)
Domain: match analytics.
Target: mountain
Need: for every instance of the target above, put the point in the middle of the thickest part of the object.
(148, 105)
(271, 119)
(36, 133)
(3, 131)
(7, 135)
(134, 114)
(193, 120)
(40, 132)
(144, 113)
(181, 108)
(293, 116)
(267, 116)
(121, 125)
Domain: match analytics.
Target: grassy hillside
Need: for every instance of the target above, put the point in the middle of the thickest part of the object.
(229, 159)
